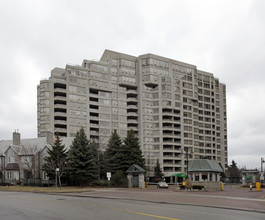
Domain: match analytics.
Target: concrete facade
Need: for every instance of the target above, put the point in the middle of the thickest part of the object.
(172, 106)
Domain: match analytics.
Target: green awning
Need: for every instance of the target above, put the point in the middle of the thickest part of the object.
(179, 175)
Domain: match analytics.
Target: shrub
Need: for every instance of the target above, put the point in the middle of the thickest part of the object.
(197, 187)
(119, 179)
(101, 183)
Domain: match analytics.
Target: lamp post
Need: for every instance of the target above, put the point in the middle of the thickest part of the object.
(56, 170)
(148, 171)
(187, 152)
(261, 171)
(2, 167)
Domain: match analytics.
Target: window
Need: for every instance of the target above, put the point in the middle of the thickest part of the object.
(9, 175)
(26, 160)
(11, 159)
(156, 139)
(45, 177)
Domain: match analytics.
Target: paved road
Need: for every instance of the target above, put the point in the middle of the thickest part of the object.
(233, 197)
(20, 205)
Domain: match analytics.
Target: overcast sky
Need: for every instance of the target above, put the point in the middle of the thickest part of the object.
(226, 38)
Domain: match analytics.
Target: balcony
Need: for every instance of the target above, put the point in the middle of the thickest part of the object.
(132, 91)
(124, 82)
(131, 106)
(150, 80)
(170, 147)
(132, 99)
(132, 126)
(60, 102)
(132, 121)
(60, 122)
(168, 140)
(93, 100)
(168, 119)
(94, 133)
(177, 127)
(176, 141)
(58, 85)
(167, 154)
(167, 127)
(131, 102)
(61, 110)
(94, 117)
(59, 130)
(59, 106)
(132, 114)
(60, 114)
(94, 123)
(168, 163)
(60, 95)
(59, 90)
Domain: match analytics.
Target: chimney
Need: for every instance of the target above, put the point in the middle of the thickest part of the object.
(16, 138)
(49, 138)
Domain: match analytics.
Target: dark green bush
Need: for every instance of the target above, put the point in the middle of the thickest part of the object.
(119, 179)
(197, 187)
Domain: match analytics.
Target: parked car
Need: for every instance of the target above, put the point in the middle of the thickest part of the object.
(162, 185)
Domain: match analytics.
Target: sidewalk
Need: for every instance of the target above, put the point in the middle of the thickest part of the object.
(232, 197)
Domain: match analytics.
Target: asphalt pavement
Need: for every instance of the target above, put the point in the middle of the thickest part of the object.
(59, 206)
(233, 197)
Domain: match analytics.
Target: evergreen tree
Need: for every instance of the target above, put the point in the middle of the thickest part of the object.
(112, 153)
(233, 172)
(57, 158)
(82, 160)
(158, 172)
(98, 158)
(131, 152)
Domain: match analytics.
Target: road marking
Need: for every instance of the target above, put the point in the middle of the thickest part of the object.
(140, 213)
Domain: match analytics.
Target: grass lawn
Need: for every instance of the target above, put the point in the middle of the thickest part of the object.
(50, 189)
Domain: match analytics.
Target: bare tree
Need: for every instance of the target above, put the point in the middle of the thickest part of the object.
(28, 160)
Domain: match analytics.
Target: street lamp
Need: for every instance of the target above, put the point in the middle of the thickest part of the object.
(261, 170)
(148, 171)
(187, 151)
(56, 170)
(2, 167)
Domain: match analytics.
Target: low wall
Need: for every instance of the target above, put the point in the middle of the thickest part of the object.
(208, 186)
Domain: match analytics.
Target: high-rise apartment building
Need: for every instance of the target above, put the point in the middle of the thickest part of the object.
(173, 107)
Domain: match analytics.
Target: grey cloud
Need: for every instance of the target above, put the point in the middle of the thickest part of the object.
(226, 38)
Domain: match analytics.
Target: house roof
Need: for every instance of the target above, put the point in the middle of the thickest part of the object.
(31, 145)
(135, 169)
(203, 165)
(12, 166)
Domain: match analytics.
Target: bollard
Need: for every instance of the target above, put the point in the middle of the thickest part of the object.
(258, 186)
(222, 187)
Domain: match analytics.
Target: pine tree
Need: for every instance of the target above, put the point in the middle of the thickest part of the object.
(82, 160)
(233, 172)
(131, 152)
(97, 155)
(158, 172)
(112, 153)
(57, 158)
